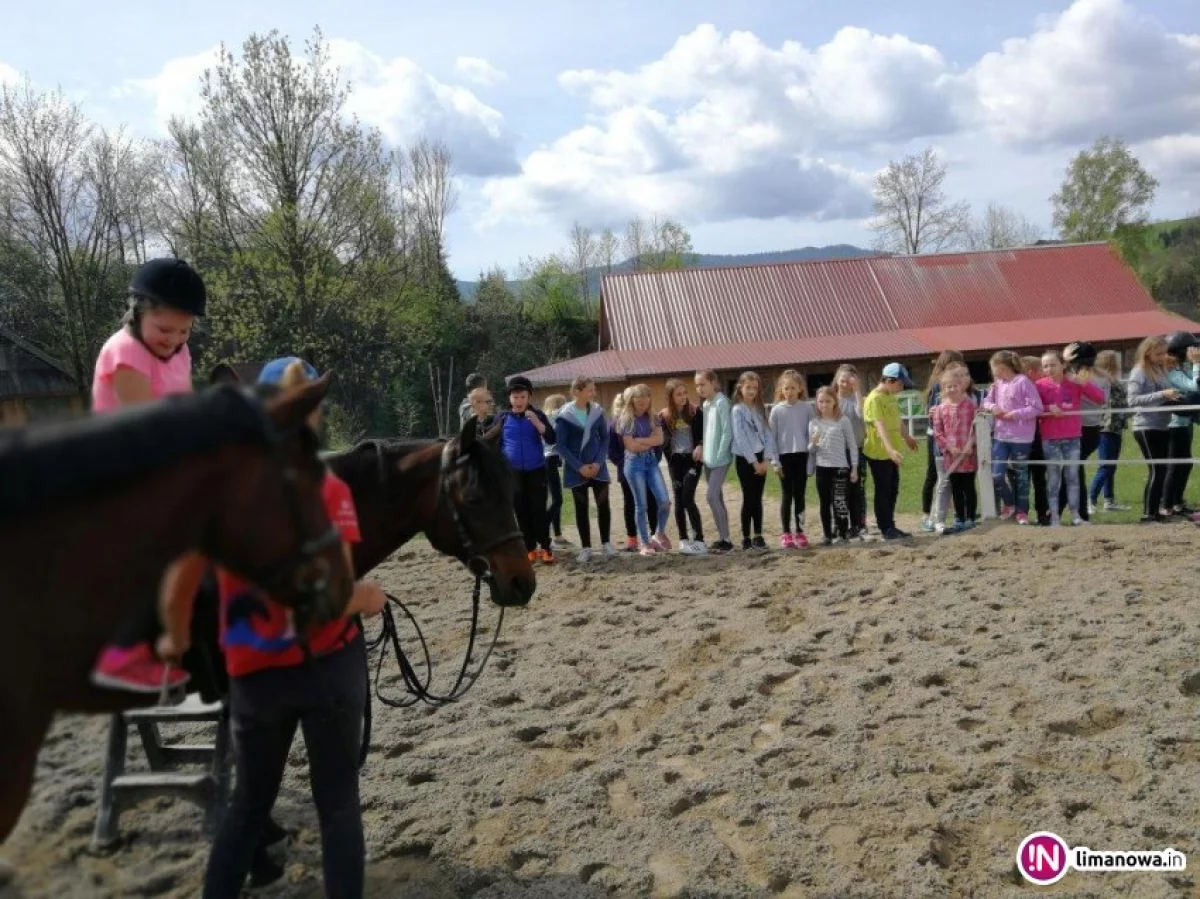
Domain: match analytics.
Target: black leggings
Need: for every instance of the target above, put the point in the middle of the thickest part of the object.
(835, 491)
(887, 490)
(858, 494)
(554, 482)
(685, 476)
(1037, 478)
(930, 484)
(794, 480)
(326, 699)
(1179, 446)
(629, 509)
(529, 502)
(753, 486)
(1154, 445)
(966, 499)
(603, 512)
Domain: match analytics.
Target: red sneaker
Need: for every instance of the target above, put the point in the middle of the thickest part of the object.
(800, 541)
(137, 670)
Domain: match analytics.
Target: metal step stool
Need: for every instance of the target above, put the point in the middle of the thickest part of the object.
(209, 789)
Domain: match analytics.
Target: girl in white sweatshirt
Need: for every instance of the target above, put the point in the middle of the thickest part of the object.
(789, 421)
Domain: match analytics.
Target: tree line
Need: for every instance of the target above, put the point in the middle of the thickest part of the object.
(313, 238)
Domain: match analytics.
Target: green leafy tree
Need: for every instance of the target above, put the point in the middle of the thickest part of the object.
(1106, 187)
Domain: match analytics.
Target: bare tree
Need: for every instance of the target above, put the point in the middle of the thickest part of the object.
(912, 214)
(607, 247)
(581, 254)
(73, 200)
(1000, 228)
(637, 243)
(429, 195)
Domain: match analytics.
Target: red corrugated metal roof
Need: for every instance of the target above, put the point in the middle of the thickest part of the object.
(614, 365)
(803, 300)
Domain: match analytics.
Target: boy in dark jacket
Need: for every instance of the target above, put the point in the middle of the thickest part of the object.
(524, 432)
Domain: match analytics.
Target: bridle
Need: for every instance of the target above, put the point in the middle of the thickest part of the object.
(416, 686)
(305, 572)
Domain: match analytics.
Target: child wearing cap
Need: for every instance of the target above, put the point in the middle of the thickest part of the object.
(524, 432)
(885, 431)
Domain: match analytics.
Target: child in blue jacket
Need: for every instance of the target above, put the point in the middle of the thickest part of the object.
(583, 441)
(524, 432)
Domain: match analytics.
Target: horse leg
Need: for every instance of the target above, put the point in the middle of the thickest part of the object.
(18, 761)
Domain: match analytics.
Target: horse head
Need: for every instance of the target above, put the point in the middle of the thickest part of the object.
(478, 524)
(275, 531)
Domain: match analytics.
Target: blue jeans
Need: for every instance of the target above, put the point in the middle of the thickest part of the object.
(1104, 481)
(1062, 451)
(1017, 493)
(643, 474)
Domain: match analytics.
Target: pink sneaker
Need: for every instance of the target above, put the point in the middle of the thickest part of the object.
(137, 670)
(1008, 512)
(1022, 518)
(787, 541)
(800, 541)
(646, 550)
(661, 542)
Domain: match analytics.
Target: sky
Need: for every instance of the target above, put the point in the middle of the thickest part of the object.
(758, 125)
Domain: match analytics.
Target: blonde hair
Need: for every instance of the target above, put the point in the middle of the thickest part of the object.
(627, 412)
(708, 374)
(796, 378)
(1109, 362)
(618, 405)
(945, 359)
(1008, 359)
(953, 371)
(830, 392)
(1142, 356)
(294, 375)
(844, 369)
(553, 403)
(1030, 362)
(746, 378)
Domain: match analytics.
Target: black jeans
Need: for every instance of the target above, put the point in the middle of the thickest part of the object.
(834, 491)
(1154, 445)
(930, 476)
(887, 490)
(794, 480)
(858, 494)
(629, 509)
(964, 494)
(1179, 446)
(1089, 442)
(554, 482)
(685, 476)
(753, 486)
(1037, 477)
(603, 512)
(326, 699)
(529, 502)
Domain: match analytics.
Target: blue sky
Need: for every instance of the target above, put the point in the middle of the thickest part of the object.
(757, 124)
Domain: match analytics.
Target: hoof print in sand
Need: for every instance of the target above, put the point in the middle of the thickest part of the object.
(1094, 721)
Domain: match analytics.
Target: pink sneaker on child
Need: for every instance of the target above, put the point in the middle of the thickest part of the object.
(136, 669)
(1008, 512)
(787, 541)
(800, 541)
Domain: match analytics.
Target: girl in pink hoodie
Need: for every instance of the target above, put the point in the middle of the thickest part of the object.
(1013, 401)
(1062, 398)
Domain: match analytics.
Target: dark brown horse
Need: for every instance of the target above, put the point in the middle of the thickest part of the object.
(458, 493)
(93, 511)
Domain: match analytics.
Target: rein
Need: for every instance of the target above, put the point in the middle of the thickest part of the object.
(416, 687)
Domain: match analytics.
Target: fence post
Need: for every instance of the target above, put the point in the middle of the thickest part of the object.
(983, 477)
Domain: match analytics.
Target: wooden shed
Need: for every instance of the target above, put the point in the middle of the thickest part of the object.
(34, 386)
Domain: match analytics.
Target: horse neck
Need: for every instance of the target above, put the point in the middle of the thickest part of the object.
(386, 523)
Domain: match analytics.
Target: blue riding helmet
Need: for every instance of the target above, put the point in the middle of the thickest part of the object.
(272, 372)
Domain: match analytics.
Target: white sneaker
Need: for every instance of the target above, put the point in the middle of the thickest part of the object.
(940, 529)
(1110, 506)
(1092, 510)
(699, 548)
(1079, 522)
(585, 556)
(610, 551)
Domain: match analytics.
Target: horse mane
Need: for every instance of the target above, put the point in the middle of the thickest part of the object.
(44, 464)
(361, 464)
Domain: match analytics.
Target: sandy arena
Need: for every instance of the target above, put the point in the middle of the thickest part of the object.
(875, 721)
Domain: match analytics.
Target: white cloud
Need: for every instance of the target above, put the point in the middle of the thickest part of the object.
(396, 96)
(8, 75)
(725, 126)
(1100, 67)
(479, 71)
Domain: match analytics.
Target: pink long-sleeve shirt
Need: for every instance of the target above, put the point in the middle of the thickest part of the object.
(1068, 396)
(1019, 397)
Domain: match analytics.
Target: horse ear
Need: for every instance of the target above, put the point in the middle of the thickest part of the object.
(468, 434)
(292, 406)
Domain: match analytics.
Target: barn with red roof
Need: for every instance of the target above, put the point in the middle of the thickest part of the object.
(868, 311)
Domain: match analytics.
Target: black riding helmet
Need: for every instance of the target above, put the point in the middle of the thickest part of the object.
(1178, 343)
(1081, 353)
(171, 282)
(520, 382)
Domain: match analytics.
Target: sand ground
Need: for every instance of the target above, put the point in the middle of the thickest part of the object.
(871, 721)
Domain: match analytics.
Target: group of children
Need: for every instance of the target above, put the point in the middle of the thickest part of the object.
(1056, 408)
